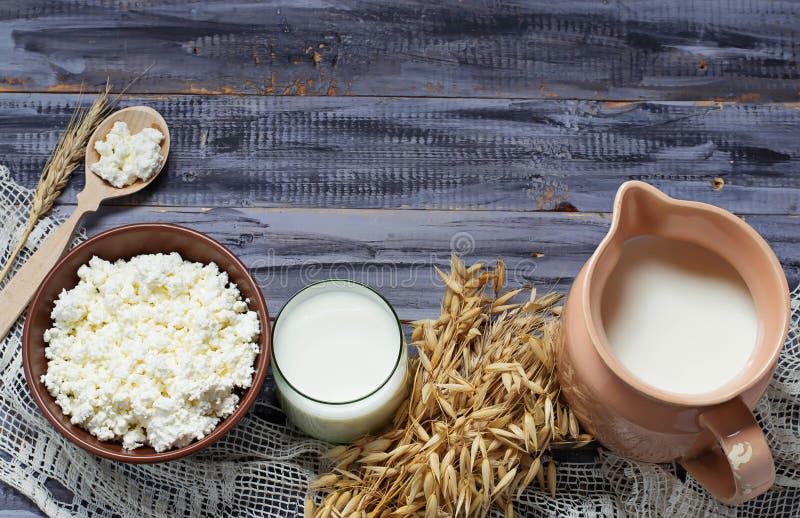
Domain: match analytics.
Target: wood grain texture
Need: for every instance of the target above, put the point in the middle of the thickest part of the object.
(395, 250)
(441, 153)
(14, 504)
(584, 49)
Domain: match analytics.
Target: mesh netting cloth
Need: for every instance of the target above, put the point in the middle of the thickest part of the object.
(263, 466)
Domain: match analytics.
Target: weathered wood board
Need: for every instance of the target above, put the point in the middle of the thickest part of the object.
(395, 250)
(442, 153)
(571, 49)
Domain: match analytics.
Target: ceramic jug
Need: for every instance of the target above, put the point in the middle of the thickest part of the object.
(713, 435)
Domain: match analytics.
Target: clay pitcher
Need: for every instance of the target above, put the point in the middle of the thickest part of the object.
(714, 434)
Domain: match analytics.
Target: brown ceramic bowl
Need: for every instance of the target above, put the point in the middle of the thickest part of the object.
(122, 243)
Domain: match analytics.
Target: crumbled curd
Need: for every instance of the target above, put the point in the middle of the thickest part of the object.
(124, 158)
(150, 350)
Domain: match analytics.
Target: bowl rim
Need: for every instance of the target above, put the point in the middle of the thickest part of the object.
(249, 397)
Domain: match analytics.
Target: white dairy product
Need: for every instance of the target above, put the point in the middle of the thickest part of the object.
(678, 316)
(150, 350)
(339, 360)
(337, 346)
(124, 158)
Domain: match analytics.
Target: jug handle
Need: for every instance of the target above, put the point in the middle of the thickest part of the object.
(738, 466)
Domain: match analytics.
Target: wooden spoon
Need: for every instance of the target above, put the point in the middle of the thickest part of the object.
(20, 289)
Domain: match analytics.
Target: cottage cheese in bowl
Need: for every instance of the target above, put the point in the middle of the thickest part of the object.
(150, 350)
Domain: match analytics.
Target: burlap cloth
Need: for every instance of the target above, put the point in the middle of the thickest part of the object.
(262, 467)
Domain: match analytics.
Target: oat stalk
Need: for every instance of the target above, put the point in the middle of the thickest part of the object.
(66, 157)
(483, 411)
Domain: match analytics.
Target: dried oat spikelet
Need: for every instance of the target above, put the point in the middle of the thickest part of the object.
(482, 412)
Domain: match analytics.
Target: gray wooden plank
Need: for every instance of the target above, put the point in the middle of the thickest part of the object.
(441, 153)
(395, 250)
(638, 49)
(391, 250)
(14, 504)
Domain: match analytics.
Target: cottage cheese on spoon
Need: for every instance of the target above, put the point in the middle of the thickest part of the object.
(150, 350)
(124, 158)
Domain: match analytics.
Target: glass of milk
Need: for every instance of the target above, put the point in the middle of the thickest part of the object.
(339, 359)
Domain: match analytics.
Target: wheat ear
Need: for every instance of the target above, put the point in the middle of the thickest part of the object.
(66, 157)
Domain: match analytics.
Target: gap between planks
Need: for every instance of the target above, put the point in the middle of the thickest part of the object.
(709, 101)
(69, 206)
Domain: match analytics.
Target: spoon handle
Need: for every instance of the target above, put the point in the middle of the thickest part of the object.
(16, 295)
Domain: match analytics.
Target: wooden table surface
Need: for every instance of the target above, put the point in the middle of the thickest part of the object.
(369, 139)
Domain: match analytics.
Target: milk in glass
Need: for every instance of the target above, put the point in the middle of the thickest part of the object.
(340, 361)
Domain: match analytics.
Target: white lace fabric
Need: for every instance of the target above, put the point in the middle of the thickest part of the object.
(262, 467)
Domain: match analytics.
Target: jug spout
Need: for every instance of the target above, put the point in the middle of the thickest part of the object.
(639, 208)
